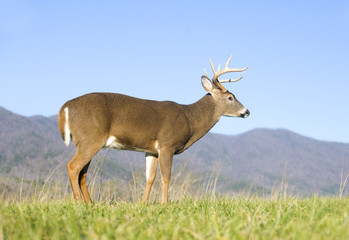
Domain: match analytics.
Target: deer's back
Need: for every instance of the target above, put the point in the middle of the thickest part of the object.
(96, 117)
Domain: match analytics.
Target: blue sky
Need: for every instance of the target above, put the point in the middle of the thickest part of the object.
(297, 53)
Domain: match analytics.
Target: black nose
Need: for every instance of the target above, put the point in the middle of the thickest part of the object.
(246, 114)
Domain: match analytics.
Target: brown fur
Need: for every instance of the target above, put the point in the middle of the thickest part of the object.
(161, 129)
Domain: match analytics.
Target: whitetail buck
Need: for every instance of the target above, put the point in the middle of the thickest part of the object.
(160, 129)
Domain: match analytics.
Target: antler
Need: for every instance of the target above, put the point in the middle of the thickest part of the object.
(226, 69)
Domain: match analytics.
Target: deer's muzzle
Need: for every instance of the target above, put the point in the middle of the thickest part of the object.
(245, 114)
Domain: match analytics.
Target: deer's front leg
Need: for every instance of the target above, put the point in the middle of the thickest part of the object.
(151, 167)
(165, 160)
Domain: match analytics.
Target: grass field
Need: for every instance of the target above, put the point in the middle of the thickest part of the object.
(196, 212)
(205, 218)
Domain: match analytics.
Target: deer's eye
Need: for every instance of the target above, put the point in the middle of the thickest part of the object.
(230, 98)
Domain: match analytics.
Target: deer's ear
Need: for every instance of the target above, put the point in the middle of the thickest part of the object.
(207, 84)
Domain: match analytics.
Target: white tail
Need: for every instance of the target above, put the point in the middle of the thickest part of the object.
(66, 127)
(160, 129)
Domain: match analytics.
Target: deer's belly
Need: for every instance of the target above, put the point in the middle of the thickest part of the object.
(112, 143)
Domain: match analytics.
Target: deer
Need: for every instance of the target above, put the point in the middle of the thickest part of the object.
(160, 129)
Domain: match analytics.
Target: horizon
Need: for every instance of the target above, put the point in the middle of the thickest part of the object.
(210, 131)
(296, 54)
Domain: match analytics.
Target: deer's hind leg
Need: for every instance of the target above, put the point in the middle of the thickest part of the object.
(77, 170)
(82, 183)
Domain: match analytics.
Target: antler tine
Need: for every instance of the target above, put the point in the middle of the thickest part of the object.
(206, 73)
(233, 80)
(212, 66)
(227, 64)
(214, 78)
(226, 69)
(229, 80)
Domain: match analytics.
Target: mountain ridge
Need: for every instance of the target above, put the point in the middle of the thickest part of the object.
(31, 147)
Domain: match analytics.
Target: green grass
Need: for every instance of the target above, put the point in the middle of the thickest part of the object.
(212, 218)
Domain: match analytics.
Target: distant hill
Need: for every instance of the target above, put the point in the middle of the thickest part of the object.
(265, 157)
(258, 160)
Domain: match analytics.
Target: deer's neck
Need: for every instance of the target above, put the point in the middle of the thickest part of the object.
(202, 116)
